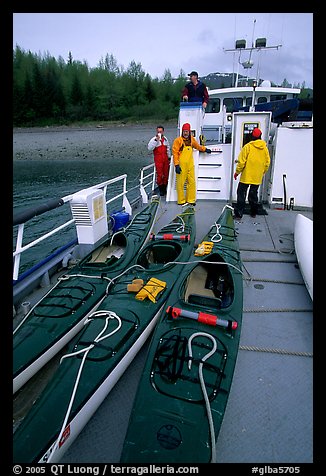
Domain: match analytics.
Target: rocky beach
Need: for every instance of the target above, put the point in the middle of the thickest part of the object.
(98, 142)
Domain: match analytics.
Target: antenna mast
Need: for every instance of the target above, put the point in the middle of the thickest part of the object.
(240, 45)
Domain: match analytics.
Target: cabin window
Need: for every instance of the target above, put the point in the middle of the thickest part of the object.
(214, 105)
(232, 104)
(248, 101)
(278, 97)
(261, 99)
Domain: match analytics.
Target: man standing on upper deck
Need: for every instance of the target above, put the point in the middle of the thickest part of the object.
(195, 90)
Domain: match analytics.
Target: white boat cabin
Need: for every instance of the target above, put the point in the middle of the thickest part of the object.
(224, 102)
(290, 145)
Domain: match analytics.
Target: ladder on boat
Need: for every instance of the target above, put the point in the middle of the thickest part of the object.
(213, 172)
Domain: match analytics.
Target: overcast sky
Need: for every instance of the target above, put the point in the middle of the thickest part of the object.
(174, 41)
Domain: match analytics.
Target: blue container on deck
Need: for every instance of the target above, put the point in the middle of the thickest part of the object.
(119, 220)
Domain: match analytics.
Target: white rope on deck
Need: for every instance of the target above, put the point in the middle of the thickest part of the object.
(85, 350)
(203, 387)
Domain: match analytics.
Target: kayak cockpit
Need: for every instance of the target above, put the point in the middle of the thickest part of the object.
(210, 285)
(108, 253)
(159, 254)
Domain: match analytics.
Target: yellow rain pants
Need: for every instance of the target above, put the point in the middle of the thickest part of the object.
(186, 162)
(183, 156)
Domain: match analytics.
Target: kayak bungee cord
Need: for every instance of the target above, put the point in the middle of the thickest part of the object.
(61, 278)
(203, 387)
(99, 338)
(182, 227)
(111, 280)
(66, 277)
(204, 261)
(227, 206)
(164, 211)
(218, 226)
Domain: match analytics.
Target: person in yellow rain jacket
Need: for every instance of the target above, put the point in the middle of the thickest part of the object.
(182, 151)
(253, 163)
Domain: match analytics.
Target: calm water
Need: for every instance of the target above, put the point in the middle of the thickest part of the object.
(51, 164)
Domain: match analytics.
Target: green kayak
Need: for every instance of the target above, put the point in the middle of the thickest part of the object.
(182, 395)
(111, 337)
(60, 314)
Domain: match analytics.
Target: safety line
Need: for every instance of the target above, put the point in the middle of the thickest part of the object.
(274, 351)
(276, 310)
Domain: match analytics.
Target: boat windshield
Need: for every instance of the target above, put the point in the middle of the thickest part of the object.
(214, 105)
(233, 104)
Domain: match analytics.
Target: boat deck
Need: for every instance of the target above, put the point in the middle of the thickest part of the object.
(269, 416)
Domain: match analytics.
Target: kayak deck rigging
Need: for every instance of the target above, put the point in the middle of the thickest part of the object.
(273, 374)
(274, 364)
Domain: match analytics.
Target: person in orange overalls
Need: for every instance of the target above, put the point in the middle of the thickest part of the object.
(182, 151)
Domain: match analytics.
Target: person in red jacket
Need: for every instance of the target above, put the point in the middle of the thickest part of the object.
(160, 147)
(195, 90)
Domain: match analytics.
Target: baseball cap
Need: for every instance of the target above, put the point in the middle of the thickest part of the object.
(193, 73)
(256, 132)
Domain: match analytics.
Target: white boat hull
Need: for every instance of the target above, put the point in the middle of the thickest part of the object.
(303, 242)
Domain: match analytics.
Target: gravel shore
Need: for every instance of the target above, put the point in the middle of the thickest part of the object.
(85, 142)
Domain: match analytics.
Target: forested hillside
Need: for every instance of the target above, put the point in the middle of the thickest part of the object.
(48, 91)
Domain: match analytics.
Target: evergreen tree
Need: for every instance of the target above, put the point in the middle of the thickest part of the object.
(76, 92)
(39, 92)
(149, 90)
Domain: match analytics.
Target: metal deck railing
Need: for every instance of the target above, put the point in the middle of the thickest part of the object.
(22, 218)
